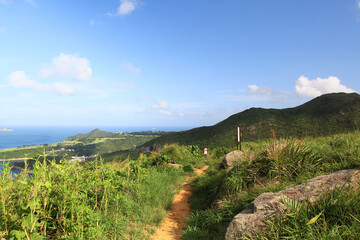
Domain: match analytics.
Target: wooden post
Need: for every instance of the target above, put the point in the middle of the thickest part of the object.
(238, 138)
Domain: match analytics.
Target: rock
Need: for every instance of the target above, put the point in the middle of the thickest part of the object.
(230, 159)
(267, 205)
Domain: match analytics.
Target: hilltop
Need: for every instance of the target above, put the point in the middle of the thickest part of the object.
(324, 115)
(96, 133)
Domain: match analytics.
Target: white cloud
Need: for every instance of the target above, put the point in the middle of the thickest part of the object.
(63, 89)
(160, 105)
(129, 67)
(71, 66)
(358, 3)
(260, 90)
(313, 88)
(126, 7)
(126, 85)
(3, 30)
(19, 79)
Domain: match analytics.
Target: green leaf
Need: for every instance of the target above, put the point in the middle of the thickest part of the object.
(27, 222)
(18, 234)
(314, 219)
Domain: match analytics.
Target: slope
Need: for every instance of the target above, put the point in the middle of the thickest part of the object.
(324, 115)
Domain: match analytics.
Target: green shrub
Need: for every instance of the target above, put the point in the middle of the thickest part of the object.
(288, 159)
(84, 201)
(238, 178)
(188, 168)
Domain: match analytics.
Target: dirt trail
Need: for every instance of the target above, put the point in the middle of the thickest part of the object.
(175, 220)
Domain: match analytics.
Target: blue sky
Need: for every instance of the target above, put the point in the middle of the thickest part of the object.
(170, 63)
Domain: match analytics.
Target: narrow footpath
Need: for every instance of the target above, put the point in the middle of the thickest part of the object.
(175, 220)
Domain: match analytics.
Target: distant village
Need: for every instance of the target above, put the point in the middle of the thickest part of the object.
(73, 158)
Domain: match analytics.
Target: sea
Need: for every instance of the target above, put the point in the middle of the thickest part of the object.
(37, 135)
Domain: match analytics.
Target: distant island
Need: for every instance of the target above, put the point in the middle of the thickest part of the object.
(6, 130)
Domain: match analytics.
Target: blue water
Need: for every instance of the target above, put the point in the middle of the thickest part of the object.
(13, 171)
(21, 136)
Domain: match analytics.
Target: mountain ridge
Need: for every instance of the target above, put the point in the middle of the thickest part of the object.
(323, 115)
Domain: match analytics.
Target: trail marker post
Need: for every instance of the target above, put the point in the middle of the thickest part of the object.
(238, 138)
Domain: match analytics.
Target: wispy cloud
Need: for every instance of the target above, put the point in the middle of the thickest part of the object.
(19, 79)
(126, 85)
(160, 105)
(130, 67)
(260, 90)
(313, 88)
(63, 88)
(164, 112)
(256, 93)
(69, 65)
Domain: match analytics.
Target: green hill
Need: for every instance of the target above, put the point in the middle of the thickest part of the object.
(324, 115)
(96, 133)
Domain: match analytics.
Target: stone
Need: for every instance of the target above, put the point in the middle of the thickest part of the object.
(230, 159)
(267, 205)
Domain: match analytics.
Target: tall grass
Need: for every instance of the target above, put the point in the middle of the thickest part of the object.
(335, 215)
(271, 166)
(84, 201)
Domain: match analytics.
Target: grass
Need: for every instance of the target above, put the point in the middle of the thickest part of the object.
(124, 200)
(85, 201)
(273, 165)
(92, 200)
(335, 215)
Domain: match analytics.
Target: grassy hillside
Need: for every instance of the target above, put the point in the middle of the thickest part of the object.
(271, 166)
(96, 133)
(92, 200)
(85, 146)
(324, 115)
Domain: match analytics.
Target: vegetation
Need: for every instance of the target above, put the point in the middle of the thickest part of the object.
(92, 200)
(96, 133)
(325, 115)
(84, 146)
(120, 198)
(271, 166)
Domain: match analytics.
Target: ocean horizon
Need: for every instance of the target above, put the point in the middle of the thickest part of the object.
(37, 135)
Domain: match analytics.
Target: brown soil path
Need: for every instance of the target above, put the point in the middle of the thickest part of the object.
(175, 220)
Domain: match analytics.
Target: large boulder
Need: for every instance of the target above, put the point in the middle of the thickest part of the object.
(230, 159)
(267, 205)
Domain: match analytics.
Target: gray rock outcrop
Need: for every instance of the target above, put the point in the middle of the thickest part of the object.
(230, 159)
(267, 205)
